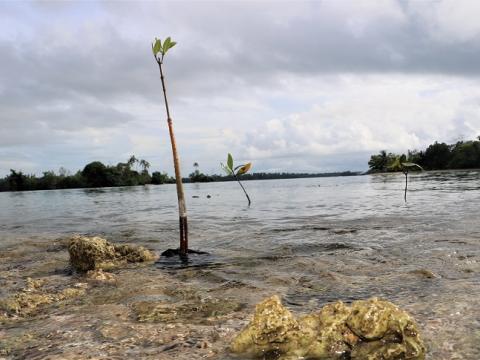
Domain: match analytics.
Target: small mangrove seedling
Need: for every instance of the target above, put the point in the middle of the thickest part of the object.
(404, 167)
(236, 172)
(159, 51)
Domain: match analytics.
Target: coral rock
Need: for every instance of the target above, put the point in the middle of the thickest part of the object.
(91, 253)
(369, 330)
(272, 329)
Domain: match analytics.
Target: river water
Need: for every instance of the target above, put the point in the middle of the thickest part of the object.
(312, 241)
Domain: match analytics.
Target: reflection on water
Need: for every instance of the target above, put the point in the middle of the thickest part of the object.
(312, 241)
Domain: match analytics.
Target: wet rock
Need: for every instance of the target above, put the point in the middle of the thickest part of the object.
(427, 274)
(91, 253)
(370, 330)
(133, 254)
(195, 310)
(388, 332)
(326, 333)
(272, 330)
(32, 296)
(100, 276)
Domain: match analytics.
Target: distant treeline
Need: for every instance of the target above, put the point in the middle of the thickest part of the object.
(199, 177)
(131, 173)
(437, 156)
(96, 174)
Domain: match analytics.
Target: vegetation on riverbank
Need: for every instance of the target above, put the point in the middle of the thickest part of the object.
(133, 172)
(437, 156)
(95, 174)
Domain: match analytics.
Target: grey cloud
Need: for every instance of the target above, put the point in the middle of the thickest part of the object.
(65, 68)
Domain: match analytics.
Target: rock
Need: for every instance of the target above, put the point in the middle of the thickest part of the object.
(370, 330)
(92, 253)
(134, 254)
(326, 332)
(32, 296)
(424, 273)
(388, 332)
(199, 310)
(100, 276)
(273, 329)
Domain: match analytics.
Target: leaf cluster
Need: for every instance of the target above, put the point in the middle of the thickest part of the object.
(235, 171)
(161, 48)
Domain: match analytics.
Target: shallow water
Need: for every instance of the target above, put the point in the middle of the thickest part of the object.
(312, 241)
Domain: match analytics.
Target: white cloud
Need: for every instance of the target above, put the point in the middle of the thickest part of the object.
(450, 20)
(371, 113)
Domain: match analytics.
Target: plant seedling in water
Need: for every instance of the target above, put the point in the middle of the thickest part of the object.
(236, 172)
(159, 51)
(404, 167)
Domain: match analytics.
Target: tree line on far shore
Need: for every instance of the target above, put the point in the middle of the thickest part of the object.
(131, 173)
(95, 174)
(437, 156)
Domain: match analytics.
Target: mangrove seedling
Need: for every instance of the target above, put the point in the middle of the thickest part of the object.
(236, 172)
(159, 51)
(404, 167)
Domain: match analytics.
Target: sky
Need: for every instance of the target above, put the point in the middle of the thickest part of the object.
(291, 86)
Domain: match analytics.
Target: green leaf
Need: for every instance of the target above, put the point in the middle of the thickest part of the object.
(227, 170)
(157, 46)
(166, 45)
(172, 44)
(244, 168)
(410, 164)
(230, 161)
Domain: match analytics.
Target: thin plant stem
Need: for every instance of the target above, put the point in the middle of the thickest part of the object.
(248, 197)
(182, 208)
(406, 186)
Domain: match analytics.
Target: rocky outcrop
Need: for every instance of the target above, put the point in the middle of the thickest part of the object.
(368, 329)
(93, 253)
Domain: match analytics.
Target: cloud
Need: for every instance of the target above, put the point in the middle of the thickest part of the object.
(262, 79)
(366, 114)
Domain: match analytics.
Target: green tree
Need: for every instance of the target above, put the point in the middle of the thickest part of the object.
(465, 155)
(161, 178)
(159, 51)
(96, 174)
(131, 161)
(16, 181)
(48, 181)
(436, 156)
(379, 163)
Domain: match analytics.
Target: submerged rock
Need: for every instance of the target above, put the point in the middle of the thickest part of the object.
(100, 276)
(92, 253)
(370, 329)
(203, 310)
(32, 296)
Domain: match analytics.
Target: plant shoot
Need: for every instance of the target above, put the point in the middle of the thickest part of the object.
(159, 50)
(236, 172)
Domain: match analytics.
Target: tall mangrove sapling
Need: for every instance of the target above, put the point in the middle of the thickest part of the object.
(159, 51)
(236, 172)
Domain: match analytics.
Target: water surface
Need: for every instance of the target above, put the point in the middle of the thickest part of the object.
(312, 241)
